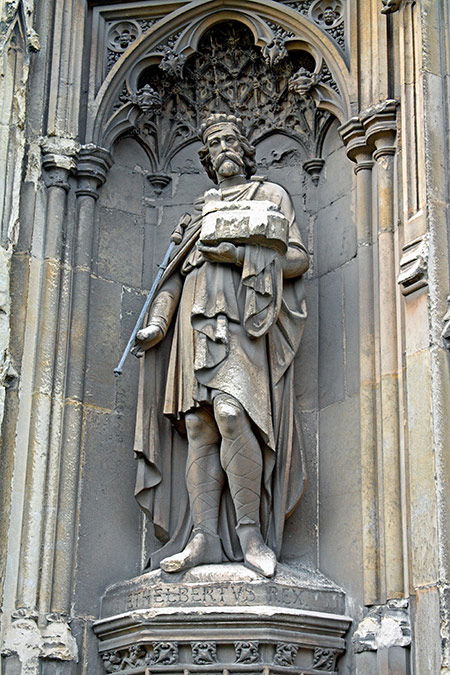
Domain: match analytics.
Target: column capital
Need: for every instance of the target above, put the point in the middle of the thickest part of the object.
(354, 137)
(92, 166)
(58, 160)
(380, 125)
(371, 134)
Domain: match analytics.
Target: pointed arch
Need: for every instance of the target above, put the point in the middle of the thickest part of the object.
(190, 23)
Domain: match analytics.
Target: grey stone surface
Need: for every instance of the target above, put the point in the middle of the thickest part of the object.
(105, 554)
(336, 236)
(351, 327)
(104, 327)
(300, 540)
(120, 246)
(307, 360)
(340, 496)
(331, 338)
(121, 188)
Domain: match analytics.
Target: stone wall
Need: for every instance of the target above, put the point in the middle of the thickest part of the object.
(86, 213)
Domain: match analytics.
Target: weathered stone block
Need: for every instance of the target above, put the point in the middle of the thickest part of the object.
(335, 236)
(110, 530)
(351, 327)
(120, 246)
(331, 339)
(340, 497)
(103, 348)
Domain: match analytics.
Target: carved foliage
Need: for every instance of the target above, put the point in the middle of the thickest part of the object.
(204, 653)
(163, 653)
(227, 74)
(325, 659)
(285, 654)
(247, 652)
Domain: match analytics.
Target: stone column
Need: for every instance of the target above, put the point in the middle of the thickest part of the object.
(370, 141)
(380, 126)
(57, 168)
(358, 151)
(92, 166)
(27, 636)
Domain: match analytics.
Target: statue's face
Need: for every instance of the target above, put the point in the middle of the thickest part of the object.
(225, 151)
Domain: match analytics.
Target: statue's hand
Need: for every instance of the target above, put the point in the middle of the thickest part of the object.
(223, 253)
(148, 337)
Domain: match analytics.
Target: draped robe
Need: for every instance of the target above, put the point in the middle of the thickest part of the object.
(235, 330)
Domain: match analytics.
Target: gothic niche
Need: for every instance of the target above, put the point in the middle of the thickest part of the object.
(228, 74)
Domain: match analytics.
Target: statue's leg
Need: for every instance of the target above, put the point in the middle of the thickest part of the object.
(205, 479)
(241, 457)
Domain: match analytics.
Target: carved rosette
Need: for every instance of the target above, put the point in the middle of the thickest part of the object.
(328, 14)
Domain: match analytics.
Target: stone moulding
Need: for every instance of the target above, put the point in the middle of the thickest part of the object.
(414, 265)
(223, 618)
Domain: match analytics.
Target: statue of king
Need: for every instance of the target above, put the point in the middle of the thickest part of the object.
(217, 437)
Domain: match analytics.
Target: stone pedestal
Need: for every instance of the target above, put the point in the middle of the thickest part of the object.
(223, 619)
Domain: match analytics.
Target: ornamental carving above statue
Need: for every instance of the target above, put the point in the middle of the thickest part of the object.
(231, 304)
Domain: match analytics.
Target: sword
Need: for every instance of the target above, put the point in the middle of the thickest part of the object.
(175, 239)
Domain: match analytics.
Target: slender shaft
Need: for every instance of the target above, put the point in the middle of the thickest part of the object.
(144, 310)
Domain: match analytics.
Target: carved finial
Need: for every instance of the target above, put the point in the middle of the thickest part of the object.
(275, 51)
(303, 81)
(173, 63)
(147, 100)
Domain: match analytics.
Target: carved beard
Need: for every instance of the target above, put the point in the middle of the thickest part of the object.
(235, 162)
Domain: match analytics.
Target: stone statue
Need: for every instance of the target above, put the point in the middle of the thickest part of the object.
(221, 477)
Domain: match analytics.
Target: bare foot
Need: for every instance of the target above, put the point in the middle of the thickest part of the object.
(202, 549)
(257, 556)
